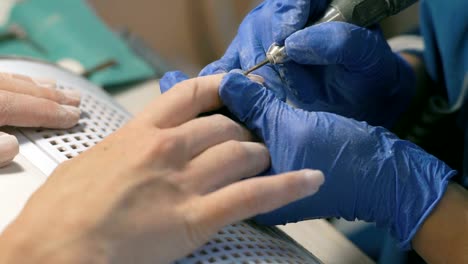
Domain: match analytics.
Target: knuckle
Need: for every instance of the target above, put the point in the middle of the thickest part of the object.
(53, 94)
(237, 149)
(195, 223)
(167, 144)
(257, 157)
(53, 115)
(264, 154)
(227, 125)
(251, 200)
(219, 118)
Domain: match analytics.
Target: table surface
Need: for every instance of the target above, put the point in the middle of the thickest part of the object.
(317, 236)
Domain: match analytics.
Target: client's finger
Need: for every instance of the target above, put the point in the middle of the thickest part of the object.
(259, 195)
(226, 163)
(38, 88)
(204, 132)
(29, 111)
(8, 148)
(185, 101)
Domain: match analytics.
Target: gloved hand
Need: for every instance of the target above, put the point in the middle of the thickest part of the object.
(336, 67)
(370, 174)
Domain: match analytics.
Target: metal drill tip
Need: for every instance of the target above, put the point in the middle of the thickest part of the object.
(256, 67)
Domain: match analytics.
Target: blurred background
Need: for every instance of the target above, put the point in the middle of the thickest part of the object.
(187, 34)
(120, 42)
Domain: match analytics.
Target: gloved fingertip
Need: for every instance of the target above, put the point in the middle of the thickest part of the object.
(273, 81)
(170, 79)
(212, 69)
(234, 82)
(224, 65)
(238, 93)
(9, 148)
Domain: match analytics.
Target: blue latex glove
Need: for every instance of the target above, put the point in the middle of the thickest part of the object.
(336, 67)
(271, 22)
(370, 174)
(170, 79)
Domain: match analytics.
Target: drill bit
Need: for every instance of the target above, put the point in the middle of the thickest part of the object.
(275, 55)
(256, 67)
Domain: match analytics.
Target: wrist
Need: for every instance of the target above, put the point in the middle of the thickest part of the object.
(408, 184)
(421, 183)
(442, 236)
(18, 244)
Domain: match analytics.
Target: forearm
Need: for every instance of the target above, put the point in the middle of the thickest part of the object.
(443, 238)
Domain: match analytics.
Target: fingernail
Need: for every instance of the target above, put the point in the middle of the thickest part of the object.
(314, 179)
(8, 148)
(72, 95)
(69, 116)
(72, 110)
(46, 83)
(256, 78)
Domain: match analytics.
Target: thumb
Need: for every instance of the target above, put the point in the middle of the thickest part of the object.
(252, 104)
(336, 43)
(228, 62)
(9, 148)
(170, 79)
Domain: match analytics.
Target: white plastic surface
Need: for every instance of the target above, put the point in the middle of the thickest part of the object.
(45, 149)
(248, 243)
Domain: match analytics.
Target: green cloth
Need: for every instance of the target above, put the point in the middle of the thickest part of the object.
(70, 29)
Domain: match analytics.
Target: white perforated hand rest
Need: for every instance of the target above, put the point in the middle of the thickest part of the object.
(248, 243)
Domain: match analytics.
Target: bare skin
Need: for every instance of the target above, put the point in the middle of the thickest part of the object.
(27, 102)
(443, 238)
(155, 190)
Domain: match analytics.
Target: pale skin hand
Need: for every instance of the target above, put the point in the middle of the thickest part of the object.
(27, 102)
(155, 190)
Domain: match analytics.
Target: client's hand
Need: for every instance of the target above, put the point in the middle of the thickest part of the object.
(155, 190)
(27, 102)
